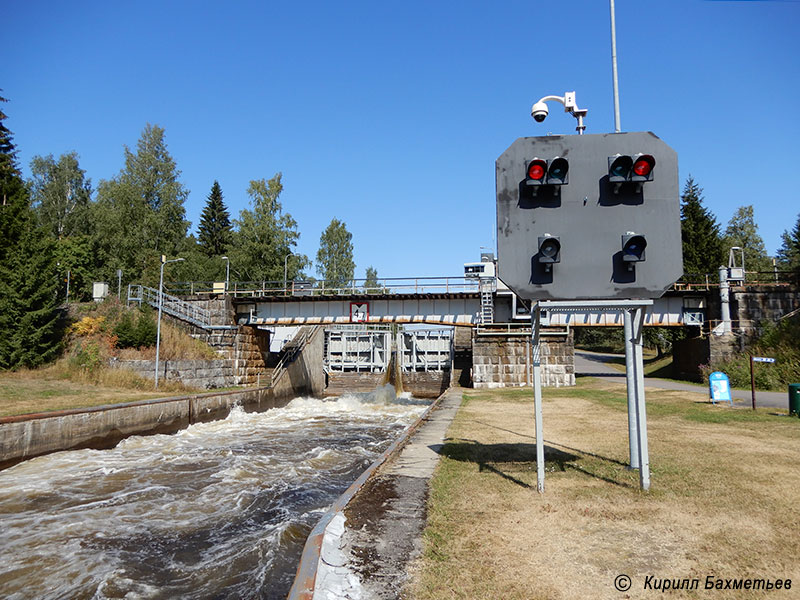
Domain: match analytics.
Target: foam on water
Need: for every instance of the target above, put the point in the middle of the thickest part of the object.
(219, 509)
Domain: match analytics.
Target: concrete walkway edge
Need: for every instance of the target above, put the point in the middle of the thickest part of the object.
(323, 571)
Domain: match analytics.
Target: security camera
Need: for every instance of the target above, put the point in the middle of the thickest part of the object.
(539, 111)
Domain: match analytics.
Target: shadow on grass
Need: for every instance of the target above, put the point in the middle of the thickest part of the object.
(506, 459)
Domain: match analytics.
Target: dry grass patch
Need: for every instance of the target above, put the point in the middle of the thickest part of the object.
(723, 501)
(59, 388)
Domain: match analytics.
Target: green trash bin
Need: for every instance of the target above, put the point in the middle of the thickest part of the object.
(794, 399)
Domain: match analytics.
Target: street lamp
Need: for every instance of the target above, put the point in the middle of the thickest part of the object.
(285, 258)
(227, 271)
(164, 261)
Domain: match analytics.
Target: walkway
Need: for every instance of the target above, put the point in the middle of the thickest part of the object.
(596, 364)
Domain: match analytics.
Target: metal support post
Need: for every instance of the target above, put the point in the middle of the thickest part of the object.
(537, 396)
(641, 414)
(630, 377)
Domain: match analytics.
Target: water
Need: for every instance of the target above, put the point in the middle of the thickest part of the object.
(219, 510)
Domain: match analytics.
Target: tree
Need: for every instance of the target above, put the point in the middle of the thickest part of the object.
(30, 322)
(700, 233)
(140, 213)
(742, 232)
(335, 255)
(214, 231)
(264, 236)
(60, 195)
(8, 155)
(371, 279)
(789, 252)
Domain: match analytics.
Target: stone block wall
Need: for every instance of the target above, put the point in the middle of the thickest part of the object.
(504, 361)
(203, 374)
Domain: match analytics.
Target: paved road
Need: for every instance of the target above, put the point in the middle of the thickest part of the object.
(595, 364)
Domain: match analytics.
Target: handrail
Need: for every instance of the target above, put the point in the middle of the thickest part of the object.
(389, 285)
(296, 346)
(172, 305)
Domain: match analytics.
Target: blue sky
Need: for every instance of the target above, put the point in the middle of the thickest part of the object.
(389, 116)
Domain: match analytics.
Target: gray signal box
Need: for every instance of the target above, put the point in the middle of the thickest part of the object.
(608, 228)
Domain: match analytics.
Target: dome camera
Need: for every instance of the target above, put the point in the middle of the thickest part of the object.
(539, 111)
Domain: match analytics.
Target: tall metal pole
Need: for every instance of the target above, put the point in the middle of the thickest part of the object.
(641, 413)
(537, 396)
(630, 377)
(160, 304)
(615, 81)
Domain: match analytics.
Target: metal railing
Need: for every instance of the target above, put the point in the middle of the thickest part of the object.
(172, 305)
(293, 349)
(394, 286)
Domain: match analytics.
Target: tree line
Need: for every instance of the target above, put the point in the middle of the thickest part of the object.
(59, 231)
(56, 225)
(706, 247)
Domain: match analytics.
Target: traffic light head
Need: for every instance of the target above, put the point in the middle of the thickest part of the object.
(552, 172)
(633, 245)
(636, 168)
(549, 250)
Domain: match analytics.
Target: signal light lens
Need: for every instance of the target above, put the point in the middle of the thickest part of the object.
(559, 167)
(633, 247)
(620, 167)
(643, 165)
(549, 248)
(537, 169)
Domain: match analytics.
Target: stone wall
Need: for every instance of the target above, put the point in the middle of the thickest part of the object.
(505, 361)
(202, 374)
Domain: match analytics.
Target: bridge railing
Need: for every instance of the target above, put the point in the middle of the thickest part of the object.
(391, 285)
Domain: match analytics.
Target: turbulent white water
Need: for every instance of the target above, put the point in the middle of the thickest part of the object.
(218, 510)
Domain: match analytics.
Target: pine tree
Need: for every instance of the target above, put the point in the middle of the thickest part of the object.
(31, 328)
(700, 233)
(789, 252)
(214, 231)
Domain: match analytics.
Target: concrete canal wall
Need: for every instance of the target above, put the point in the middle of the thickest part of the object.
(27, 436)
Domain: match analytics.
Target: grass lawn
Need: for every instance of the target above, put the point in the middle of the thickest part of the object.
(37, 391)
(723, 501)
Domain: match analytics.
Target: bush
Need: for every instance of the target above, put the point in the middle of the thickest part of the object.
(141, 334)
(780, 341)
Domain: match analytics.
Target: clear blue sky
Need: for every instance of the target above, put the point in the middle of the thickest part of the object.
(389, 116)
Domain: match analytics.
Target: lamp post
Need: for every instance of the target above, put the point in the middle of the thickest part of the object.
(164, 261)
(285, 258)
(227, 271)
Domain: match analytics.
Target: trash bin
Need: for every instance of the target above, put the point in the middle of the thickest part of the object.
(794, 399)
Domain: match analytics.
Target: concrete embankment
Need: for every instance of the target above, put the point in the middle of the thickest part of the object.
(26, 436)
(363, 545)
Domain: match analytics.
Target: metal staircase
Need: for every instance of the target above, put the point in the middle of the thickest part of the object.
(487, 288)
(173, 306)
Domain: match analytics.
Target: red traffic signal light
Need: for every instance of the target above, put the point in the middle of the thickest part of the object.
(551, 172)
(537, 169)
(636, 168)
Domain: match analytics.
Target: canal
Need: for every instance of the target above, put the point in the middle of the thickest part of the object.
(218, 510)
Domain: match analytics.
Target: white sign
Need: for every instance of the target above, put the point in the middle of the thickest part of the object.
(763, 359)
(359, 312)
